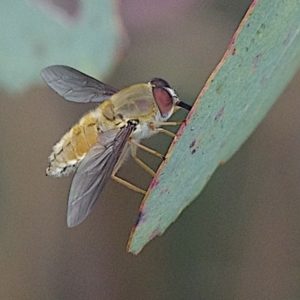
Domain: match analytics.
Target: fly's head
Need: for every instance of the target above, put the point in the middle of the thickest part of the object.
(166, 98)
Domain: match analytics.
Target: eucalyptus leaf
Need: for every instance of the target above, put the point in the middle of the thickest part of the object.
(261, 59)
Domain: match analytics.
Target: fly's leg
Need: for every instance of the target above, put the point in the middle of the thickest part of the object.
(165, 131)
(127, 184)
(139, 162)
(156, 127)
(157, 124)
(136, 144)
(122, 181)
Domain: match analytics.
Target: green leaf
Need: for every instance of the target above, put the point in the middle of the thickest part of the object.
(261, 59)
(40, 33)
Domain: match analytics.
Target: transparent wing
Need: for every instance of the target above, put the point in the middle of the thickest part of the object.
(76, 86)
(94, 172)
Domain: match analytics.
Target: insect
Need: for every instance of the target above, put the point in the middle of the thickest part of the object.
(97, 145)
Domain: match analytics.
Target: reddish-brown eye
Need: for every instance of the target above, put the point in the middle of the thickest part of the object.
(163, 99)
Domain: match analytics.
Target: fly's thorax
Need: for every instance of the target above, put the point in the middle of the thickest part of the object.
(135, 102)
(109, 118)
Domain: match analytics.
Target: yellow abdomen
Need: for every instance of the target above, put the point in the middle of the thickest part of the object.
(73, 146)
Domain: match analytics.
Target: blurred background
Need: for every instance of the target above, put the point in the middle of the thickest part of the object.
(239, 239)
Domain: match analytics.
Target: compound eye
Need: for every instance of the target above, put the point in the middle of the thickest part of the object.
(163, 100)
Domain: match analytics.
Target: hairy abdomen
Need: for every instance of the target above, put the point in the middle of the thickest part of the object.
(73, 146)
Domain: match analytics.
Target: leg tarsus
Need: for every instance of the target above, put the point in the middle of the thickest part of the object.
(127, 184)
(133, 142)
(158, 124)
(144, 166)
(167, 132)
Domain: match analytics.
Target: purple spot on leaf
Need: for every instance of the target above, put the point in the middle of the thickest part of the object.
(194, 145)
(154, 233)
(220, 113)
(256, 60)
(164, 191)
(141, 218)
(154, 183)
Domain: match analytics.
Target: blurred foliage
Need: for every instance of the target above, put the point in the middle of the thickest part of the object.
(38, 33)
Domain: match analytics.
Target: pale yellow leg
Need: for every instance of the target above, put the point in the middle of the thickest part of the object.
(144, 166)
(146, 149)
(139, 162)
(122, 181)
(163, 130)
(134, 145)
(158, 124)
(176, 108)
(121, 159)
(128, 185)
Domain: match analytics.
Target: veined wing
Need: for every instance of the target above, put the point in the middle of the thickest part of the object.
(76, 86)
(94, 172)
